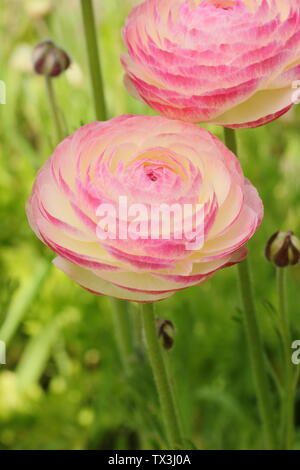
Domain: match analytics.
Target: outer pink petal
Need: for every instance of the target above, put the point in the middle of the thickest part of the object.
(95, 284)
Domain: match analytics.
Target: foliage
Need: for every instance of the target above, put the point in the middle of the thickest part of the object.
(64, 386)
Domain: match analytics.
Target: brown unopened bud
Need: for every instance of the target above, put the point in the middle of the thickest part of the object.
(283, 249)
(165, 332)
(49, 60)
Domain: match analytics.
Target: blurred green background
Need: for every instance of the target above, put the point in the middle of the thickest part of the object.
(64, 384)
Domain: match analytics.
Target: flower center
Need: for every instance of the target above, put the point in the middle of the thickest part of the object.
(153, 174)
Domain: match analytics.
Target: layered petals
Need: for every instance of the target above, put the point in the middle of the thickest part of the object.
(227, 62)
(140, 207)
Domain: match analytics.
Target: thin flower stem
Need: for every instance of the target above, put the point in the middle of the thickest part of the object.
(122, 321)
(54, 110)
(138, 328)
(253, 333)
(288, 397)
(123, 332)
(296, 379)
(27, 294)
(163, 385)
(94, 59)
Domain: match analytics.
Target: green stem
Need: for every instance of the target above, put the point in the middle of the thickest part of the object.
(138, 329)
(288, 397)
(94, 59)
(123, 331)
(119, 307)
(230, 140)
(54, 110)
(253, 333)
(166, 396)
(296, 379)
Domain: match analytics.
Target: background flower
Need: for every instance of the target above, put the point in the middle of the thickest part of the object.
(229, 62)
(149, 160)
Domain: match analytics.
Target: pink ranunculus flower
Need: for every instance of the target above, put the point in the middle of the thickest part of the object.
(150, 161)
(227, 62)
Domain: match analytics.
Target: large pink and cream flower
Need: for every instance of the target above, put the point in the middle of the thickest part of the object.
(150, 161)
(227, 62)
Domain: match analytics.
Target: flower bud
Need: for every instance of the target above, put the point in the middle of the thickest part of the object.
(165, 332)
(283, 249)
(49, 60)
